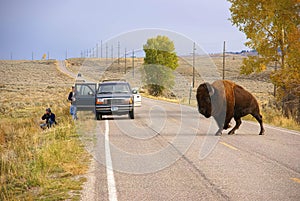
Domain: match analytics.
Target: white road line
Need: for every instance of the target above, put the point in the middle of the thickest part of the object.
(111, 184)
(276, 128)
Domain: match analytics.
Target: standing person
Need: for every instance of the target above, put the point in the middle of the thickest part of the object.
(50, 119)
(72, 99)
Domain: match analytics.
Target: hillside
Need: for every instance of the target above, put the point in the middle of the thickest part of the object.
(205, 66)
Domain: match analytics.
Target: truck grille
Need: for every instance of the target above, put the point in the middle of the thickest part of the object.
(115, 101)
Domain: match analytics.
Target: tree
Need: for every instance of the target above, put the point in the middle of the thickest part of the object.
(159, 63)
(272, 29)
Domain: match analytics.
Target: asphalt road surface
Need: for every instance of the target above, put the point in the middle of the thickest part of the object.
(169, 153)
(166, 153)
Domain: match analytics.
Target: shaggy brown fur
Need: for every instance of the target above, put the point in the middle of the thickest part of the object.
(223, 100)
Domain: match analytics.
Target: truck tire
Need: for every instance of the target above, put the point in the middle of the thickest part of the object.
(131, 114)
(98, 116)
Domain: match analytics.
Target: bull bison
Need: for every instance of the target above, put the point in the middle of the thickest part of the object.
(223, 100)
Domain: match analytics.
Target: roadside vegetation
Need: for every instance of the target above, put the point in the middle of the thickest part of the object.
(272, 30)
(159, 63)
(38, 164)
(258, 83)
(271, 115)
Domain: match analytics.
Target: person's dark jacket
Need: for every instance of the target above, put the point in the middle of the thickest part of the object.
(49, 116)
(70, 97)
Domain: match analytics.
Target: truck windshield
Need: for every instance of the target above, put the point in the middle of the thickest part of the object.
(113, 88)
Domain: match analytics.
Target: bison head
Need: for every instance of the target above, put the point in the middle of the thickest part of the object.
(204, 93)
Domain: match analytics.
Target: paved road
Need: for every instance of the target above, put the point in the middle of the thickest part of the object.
(180, 162)
(166, 153)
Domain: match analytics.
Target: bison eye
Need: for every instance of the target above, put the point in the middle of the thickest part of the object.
(207, 99)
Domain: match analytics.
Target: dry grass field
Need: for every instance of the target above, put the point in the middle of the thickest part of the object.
(209, 66)
(37, 164)
(98, 69)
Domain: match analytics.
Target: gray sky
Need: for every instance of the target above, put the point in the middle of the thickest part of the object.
(53, 26)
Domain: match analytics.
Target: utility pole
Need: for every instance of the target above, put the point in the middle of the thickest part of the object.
(112, 53)
(125, 60)
(106, 53)
(133, 63)
(194, 49)
(190, 95)
(11, 56)
(118, 52)
(32, 56)
(66, 54)
(101, 49)
(224, 60)
(97, 50)
(48, 55)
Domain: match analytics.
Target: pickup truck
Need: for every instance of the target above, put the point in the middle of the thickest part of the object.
(106, 98)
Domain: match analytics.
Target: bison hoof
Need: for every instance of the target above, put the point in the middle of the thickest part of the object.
(231, 132)
(227, 126)
(218, 134)
(262, 132)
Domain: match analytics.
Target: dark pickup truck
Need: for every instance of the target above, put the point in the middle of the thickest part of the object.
(105, 98)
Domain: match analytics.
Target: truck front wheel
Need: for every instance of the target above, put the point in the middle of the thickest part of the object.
(98, 116)
(131, 114)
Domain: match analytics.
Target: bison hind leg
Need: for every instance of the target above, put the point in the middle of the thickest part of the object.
(237, 125)
(258, 117)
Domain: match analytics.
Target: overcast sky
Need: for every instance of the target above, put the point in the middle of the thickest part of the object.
(53, 26)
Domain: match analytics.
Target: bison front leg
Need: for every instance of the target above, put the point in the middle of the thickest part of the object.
(220, 123)
(219, 132)
(237, 125)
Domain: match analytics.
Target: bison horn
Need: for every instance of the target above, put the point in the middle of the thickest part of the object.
(210, 89)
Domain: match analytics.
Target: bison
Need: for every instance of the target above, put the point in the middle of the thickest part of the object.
(223, 100)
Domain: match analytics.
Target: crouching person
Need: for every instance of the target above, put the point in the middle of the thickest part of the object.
(50, 119)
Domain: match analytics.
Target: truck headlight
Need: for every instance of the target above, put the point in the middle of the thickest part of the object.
(100, 101)
(128, 101)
